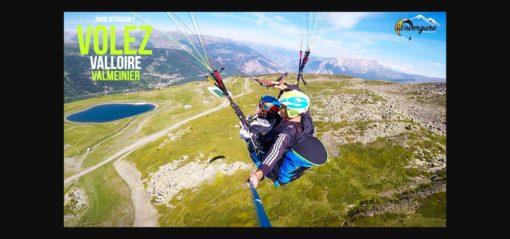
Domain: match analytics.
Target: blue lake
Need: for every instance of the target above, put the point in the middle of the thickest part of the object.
(109, 112)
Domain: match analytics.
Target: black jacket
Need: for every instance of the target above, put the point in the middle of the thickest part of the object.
(283, 137)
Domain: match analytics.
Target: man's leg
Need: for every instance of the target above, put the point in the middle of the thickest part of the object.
(288, 169)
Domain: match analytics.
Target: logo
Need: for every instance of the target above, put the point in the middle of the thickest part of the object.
(416, 24)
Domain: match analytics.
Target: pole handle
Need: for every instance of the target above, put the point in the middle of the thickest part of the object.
(261, 214)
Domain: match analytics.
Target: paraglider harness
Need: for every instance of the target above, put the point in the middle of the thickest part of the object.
(306, 152)
(302, 64)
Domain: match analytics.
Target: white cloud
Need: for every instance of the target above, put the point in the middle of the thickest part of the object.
(369, 38)
(437, 64)
(278, 31)
(250, 35)
(329, 48)
(279, 18)
(352, 43)
(346, 20)
(413, 69)
(399, 67)
(280, 26)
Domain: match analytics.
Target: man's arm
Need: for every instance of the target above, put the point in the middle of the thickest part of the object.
(275, 153)
(291, 87)
(286, 87)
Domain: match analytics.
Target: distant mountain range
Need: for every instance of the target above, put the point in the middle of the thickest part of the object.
(170, 64)
(362, 68)
(357, 67)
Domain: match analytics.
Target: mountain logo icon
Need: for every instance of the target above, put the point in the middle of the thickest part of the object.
(418, 23)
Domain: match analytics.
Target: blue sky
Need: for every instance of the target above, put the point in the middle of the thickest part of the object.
(368, 35)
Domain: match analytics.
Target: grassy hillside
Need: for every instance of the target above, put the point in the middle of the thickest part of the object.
(392, 176)
(108, 201)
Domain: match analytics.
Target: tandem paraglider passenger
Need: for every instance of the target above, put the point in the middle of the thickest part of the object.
(284, 128)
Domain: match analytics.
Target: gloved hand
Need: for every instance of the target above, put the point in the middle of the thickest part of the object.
(245, 134)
